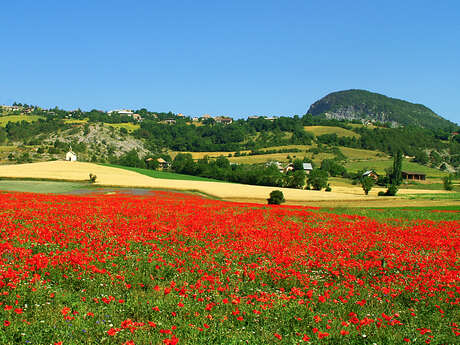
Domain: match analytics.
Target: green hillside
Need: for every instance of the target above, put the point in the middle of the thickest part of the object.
(362, 104)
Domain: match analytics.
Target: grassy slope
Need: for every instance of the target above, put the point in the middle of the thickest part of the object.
(18, 118)
(381, 165)
(163, 174)
(341, 132)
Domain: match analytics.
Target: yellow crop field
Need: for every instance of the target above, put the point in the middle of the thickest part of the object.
(18, 118)
(75, 121)
(320, 130)
(130, 127)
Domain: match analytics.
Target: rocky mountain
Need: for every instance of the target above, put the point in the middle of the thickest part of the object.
(366, 105)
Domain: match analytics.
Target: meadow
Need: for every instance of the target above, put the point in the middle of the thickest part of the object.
(174, 268)
(18, 118)
(321, 130)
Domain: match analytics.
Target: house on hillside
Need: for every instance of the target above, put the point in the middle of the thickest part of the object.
(289, 167)
(372, 174)
(223, 119)
(162, 164)
(122, 112)
(70, 155)
(277, 164)
(307, 167)
(137, 117)
(413, 176)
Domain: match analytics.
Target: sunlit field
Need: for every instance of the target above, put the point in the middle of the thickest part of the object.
(180, 269)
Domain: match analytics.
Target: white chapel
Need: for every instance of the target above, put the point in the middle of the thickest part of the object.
(70, 156)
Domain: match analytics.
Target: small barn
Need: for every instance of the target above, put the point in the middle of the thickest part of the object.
(307, 167)
(372, 174)
(414, 176)
(71, 156)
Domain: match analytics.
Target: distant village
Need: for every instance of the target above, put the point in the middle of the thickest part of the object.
(136, 117)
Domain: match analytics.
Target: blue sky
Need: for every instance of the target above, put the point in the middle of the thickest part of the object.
(234, 58)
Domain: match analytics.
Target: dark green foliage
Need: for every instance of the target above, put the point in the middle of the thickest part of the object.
(392, 190)
(183, 164)
(365, 104)
(421, 157)
(435, 158)
(328, 188)
(24, 158)
(2, 135)
(317, 179)
(276, 198)
(131, 159)
(395, 174)
(367, 183)
(295, 179)
(447, 182)
(333, 168)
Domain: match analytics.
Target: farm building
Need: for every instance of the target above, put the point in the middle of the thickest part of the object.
(372, 174)
(70, 155)
(307, 167)
(413, 176)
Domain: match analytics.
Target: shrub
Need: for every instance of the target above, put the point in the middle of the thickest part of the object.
(276, 198)
(328, 188)
(92, 178)
(381, 193)
(447, 181)
(392, 190)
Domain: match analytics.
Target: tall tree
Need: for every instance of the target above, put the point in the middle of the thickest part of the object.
(395, 176)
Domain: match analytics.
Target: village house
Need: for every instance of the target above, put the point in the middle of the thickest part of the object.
(289, 167)
(223, 119)
(137, 117)
(162, 164)
(122, 112)
(372, 174)
(278, 165)
(169, 121)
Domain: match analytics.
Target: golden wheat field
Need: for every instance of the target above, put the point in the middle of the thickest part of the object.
(109, 176)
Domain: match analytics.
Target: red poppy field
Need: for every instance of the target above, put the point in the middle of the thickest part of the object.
(170, 268)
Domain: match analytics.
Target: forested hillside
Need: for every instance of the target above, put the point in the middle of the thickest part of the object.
(38, 134)
(362, 104)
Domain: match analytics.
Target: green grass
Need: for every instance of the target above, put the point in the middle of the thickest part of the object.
(40, 186)
(438, 213)
(454, 196)
(381, 165)
(163, 174)
(18, 118)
